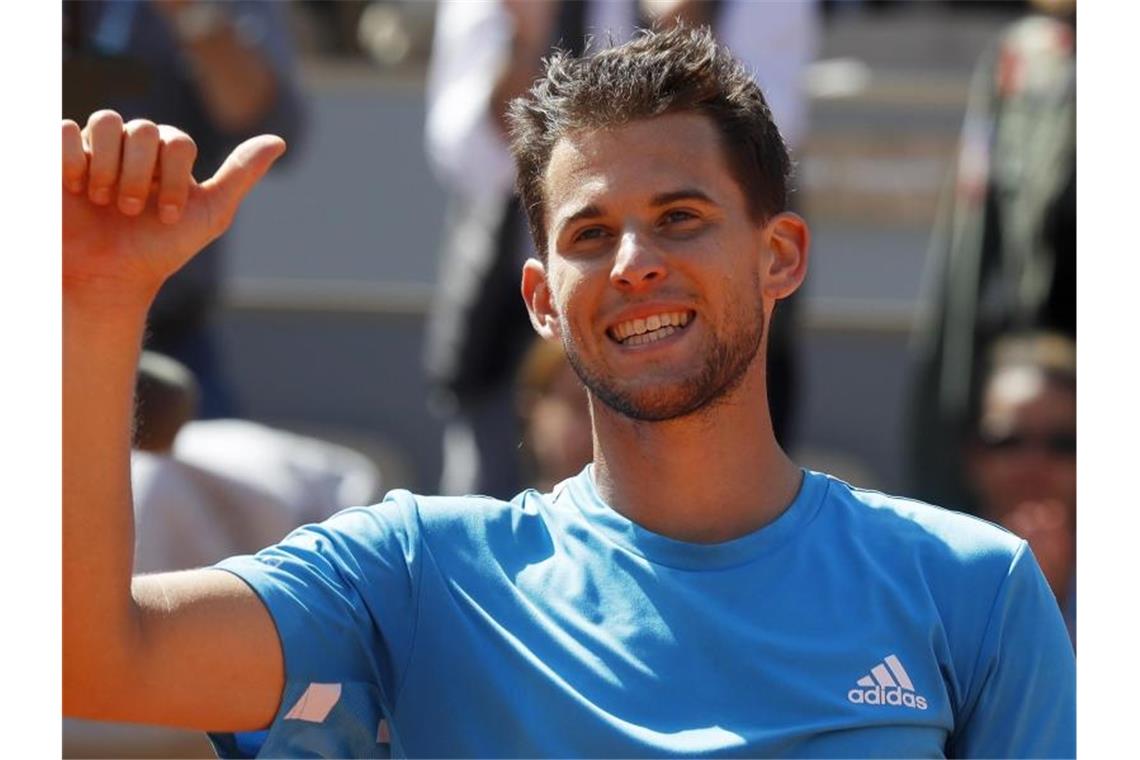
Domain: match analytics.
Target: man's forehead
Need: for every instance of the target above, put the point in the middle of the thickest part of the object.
(640, 137)
(654, 155)
(1011, 388)
(570, 159)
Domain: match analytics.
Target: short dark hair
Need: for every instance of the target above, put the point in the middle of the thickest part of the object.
(656, 73)
(1048, 352)
(166, 398)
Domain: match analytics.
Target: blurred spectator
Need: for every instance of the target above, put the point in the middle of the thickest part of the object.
(220, 71)
(178, 524)
(1003, 254)
(484, 55)
(1022, 456)
(557, 435)
(209, 489)
(308, 478)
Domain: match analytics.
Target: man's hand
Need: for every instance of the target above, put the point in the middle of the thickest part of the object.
(133, 213)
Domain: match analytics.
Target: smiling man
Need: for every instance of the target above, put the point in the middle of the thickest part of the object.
(692, 591)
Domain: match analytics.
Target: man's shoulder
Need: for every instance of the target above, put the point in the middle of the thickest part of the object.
(905, 526)
(476, 507)
(473, 515)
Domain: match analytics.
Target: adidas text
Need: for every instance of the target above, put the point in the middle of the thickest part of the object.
(883, 696)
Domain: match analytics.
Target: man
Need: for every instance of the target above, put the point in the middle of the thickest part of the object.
(1021, 456)
(691, 592)
(1003, 254)
(554, 415)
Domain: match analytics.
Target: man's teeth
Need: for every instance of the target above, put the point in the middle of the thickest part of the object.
(635, 332)
(649, 337)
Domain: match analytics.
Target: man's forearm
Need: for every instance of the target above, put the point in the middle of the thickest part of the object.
(236, 83)
(100, 355)
(235, 80)
(516, 77)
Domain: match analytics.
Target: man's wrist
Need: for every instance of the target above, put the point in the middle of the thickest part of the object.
(106, 302)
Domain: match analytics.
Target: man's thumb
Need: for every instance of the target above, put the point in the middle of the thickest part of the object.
(241, 171)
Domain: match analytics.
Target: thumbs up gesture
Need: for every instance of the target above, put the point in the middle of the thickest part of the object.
(133, 213)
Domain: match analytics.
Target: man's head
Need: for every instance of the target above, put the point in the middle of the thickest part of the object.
(1023, 444)
(1022, 457)
(647, 177)
(555, 415)
(657, 73)
(166, 398)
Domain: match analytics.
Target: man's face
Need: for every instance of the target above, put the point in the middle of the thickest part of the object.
(1024, 466)
(1026, 449)
(558, 427)
(654, 266)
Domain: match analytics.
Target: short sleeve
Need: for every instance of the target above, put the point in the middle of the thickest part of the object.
(1022, 700)
(342, 595)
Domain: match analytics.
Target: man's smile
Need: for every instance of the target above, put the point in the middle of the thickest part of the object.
(638, 331)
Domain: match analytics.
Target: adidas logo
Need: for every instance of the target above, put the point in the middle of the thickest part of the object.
(887, 684)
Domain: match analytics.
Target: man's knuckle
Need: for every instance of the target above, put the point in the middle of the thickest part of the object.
(182, 146)
(142, 128)
(105, 119)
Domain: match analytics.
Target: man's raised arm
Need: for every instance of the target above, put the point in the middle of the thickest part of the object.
(196, 649)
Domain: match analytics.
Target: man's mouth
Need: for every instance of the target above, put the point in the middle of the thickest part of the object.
(638, 332)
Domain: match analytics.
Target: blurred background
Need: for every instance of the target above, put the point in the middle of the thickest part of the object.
(342, 317)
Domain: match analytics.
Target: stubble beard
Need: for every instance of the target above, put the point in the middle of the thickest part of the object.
(724, 370)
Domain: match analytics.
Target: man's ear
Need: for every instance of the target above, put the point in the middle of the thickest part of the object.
(539, 304)
(787, 237)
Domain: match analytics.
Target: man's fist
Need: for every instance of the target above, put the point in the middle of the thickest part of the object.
(133, 213)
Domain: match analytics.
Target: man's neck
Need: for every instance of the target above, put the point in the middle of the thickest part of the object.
(706, 478)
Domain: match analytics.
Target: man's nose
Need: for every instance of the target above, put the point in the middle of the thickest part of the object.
(638, 263)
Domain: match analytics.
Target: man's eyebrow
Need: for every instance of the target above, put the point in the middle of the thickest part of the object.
(685, 194)
(586, 212)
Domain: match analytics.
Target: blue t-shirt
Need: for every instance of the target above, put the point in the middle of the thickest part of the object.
(856, 624)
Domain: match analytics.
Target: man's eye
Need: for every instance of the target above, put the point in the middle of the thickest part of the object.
(678, 216)
(590, 233)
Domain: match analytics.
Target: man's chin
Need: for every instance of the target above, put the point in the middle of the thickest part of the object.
(657, 404)
(664, 394)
